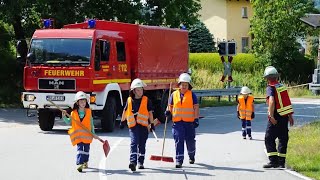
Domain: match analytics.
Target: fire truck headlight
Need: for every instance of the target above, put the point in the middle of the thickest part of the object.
(29, 97)
(33, 106)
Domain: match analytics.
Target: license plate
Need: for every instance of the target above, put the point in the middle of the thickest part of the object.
(56, 98)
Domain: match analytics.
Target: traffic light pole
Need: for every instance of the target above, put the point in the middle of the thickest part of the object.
(228, 49)
(229, 85)
(227, 72)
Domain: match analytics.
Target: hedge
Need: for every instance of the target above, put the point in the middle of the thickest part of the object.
(212, 61)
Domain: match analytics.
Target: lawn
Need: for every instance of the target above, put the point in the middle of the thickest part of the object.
(303, 153)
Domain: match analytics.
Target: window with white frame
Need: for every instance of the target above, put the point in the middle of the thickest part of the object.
(245, 44)
(244, 12)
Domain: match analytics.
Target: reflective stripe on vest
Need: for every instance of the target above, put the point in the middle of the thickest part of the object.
(245, 107)
(283, 104)
(142, 114)
(77, 133)
(182, 110)
(273, 154)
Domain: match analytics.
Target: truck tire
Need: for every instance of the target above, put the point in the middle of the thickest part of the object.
(45, 119)
(109, 114)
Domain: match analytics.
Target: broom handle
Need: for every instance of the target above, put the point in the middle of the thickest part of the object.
(78, 123)
(165, 124)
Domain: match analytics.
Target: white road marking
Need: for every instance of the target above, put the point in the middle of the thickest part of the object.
(291, 171)
(102, 164)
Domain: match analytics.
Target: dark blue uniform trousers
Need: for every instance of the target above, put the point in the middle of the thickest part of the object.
(139, 136)
(246, 128)
(280, 131)
(184, 132)
(83, 153)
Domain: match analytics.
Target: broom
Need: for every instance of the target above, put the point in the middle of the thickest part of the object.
(163, 158)
(105, 146)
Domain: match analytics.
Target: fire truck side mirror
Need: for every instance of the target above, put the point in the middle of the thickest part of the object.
(22, 50)
(31, 57)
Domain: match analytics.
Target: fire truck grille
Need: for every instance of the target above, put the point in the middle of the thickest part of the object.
(57, 84)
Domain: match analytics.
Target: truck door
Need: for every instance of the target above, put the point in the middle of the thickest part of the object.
(102, 61)
(111, 62)
(121, 64)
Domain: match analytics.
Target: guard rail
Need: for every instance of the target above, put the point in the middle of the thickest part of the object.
(218, 93)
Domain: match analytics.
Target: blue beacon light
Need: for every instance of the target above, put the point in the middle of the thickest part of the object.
(47, 23)
(91, 23)
(183, 27)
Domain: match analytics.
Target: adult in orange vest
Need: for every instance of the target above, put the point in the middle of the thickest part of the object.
(184, 108)
(138, 115)
(279, 114)
(78, 136)
(245, 110)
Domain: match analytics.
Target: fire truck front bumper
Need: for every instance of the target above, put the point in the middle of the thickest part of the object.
(35, 100)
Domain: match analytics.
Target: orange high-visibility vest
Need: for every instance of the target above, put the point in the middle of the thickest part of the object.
(283, 103)
(245, 107)
(142, 114)
(182, 110)
(77, 133)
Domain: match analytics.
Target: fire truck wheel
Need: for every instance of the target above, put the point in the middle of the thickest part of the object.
(45, 119)
(109, 114)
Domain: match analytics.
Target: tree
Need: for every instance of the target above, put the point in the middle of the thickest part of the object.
(13, 13)
(200, 39)
(171, 13)
(276, 26)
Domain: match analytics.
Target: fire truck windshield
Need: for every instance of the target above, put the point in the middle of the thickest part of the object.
(61, 51)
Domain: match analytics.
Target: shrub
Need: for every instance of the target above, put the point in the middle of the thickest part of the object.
(212, 61)
(10, 74)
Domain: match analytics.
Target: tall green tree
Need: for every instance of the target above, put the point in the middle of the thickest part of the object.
(276, 26)
(171, 13)
(72, 11)
(200, 38)
(18, 14)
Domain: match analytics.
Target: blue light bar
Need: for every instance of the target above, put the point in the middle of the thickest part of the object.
(91, 23)
(47, 23)
(183, 27)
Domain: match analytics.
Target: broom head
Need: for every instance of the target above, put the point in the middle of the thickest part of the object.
(161, 158)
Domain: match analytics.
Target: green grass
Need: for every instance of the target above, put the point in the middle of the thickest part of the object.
(213, 102)
(303, 153)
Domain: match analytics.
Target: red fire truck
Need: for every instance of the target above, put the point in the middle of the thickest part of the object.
(101, 58)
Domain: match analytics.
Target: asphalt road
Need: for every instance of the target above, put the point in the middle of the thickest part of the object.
(28, 153)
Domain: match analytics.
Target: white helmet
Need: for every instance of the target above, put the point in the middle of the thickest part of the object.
(80, 95)
(245, 90)
(184, 77)
(270, 71)
(137, 83)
